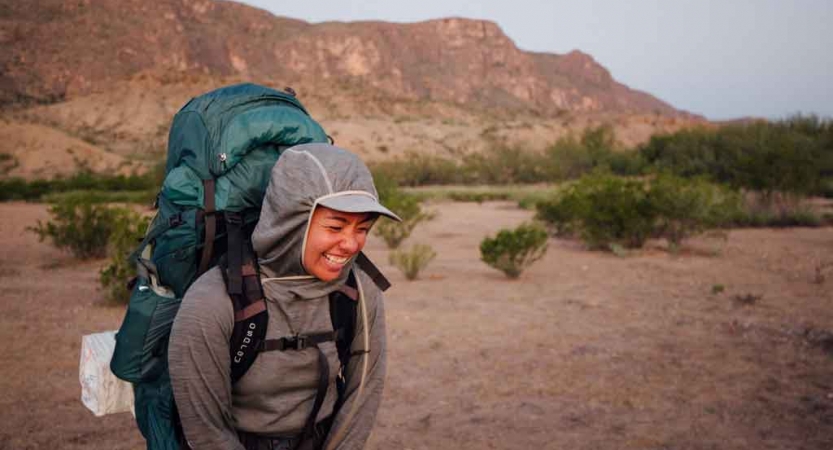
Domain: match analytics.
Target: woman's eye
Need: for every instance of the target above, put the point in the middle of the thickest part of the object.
(334, 228)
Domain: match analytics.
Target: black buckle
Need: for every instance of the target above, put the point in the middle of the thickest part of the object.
(297, 342)
(300, 342)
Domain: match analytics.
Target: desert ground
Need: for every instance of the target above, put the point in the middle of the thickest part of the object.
(587, 350)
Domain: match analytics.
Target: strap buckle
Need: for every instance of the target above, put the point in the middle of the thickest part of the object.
(300, 342)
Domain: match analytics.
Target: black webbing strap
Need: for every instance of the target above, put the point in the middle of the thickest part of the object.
(234, 230)
(372, 271)
(308, 438)
(300, 341)
(210, 224)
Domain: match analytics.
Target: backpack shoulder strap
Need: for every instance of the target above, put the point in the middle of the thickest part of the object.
(372, 271)
(343, 316)
(242, 276)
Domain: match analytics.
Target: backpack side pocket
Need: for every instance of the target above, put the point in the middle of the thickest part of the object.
(142, 340)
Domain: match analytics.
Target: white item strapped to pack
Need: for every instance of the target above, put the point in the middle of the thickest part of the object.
(101, 392)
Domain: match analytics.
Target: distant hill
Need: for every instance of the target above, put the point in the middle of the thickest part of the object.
(111, 73)
(59, 49)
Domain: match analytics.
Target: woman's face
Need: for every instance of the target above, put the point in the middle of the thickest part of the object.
(334, 238)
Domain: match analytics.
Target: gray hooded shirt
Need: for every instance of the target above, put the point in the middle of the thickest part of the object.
(275, 396)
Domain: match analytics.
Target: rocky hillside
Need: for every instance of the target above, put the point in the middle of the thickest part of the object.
(59, 49)
(108, 75)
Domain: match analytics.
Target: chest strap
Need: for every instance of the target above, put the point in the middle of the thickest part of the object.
(300, 341)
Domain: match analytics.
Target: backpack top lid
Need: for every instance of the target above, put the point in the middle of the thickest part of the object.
(214, 131)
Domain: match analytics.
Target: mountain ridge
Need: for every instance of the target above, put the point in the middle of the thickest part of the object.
(96, 83)
(60, 49)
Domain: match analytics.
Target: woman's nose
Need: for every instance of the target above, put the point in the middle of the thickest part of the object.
(350, 243)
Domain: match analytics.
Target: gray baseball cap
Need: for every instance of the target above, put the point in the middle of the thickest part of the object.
(356, 202)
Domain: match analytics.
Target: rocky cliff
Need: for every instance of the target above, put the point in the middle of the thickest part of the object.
(59, 49)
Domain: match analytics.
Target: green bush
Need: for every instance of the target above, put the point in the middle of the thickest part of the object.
(412, 261)
(83, 229)
(500, 164)
(794, 155)
(19, 189)
(604, 209)
(563, 210)
(512, 251)
(684, 208)
(405, 205)
(87, 196)
(416, 169)
(128, 230)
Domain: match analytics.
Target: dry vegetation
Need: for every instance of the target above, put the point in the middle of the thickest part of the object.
(586, 350)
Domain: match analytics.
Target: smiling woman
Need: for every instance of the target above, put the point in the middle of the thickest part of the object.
(334, 238)
(323, 387)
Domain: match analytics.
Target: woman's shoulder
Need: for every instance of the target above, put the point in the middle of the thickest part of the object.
(207, 298)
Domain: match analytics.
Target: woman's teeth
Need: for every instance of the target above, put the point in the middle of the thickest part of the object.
(336, 259)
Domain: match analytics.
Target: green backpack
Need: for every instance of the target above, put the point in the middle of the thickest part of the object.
(221, 149)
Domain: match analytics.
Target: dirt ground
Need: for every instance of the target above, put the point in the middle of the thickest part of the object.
(586, 351)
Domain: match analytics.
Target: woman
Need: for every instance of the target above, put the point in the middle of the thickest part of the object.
(317, 212)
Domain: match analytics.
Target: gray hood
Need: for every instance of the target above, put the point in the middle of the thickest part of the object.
(304, 176)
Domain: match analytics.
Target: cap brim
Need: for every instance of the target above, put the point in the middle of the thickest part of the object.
(357, 203)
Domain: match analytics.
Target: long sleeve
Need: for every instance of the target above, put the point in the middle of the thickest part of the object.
(199, 362)
(349, 433)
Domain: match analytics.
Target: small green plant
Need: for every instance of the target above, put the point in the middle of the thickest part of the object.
(406, 206)
(718, 289)
(128, 230)
(412, 261)
(81, 228)
(512, 251)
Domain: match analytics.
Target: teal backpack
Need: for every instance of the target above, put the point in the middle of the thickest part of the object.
(221, 149)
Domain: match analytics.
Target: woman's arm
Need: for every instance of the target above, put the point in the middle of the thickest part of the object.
(200, 366)
(351, 432)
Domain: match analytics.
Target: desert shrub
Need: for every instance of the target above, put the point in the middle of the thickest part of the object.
(604, 209)
(501, 164)
(415, 169)
(684, 207)
(87, 196)
(406, 206)
(512, 251)
(82, 228)
(19, 189)
(794, 155)
(128, 229)
(570, 157)
(563, 210)
(412, 261)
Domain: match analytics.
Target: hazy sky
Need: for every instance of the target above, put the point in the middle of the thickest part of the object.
(723, 59)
